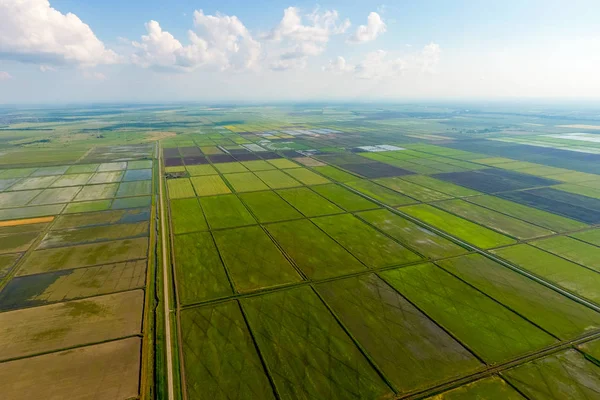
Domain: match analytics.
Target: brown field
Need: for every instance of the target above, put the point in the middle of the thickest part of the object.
(54, 327)
(73, 284)
(105, 371)
(309, 162)
(157, 135)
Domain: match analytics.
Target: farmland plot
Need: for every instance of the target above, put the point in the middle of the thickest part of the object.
(199, 271)
(490, 330)
(315, 253)
(365, 243)
(493, 388)
(58, 326)
(308, 202)
(458, 227)
(555, 313)
(494, 220)
(294, 331)
(217, 339)
(258, 263)
(565, 375)
(344, 198)
(570, 276)
(225, 212)
(52, 287)
(209, 185)
(79, 256)
(269, 207)
(114, 377)
(412, 351)
(414, 236)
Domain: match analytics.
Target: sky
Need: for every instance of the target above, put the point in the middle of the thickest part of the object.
(72, 51)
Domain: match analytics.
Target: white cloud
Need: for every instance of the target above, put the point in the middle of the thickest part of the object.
(430, 57)
(33, 31)
(4, 76)
(94, 75)
(228, 38)
(218, 40)
(339, 65)
(366, 33)
(378, 64)
(301, 40)
(158, 48)
(46, 68)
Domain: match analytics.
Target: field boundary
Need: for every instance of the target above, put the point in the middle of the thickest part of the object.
(166, 292)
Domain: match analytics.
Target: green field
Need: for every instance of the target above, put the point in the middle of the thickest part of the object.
(225, 211)
(368, 245)
(258, 263)
(269, 207)
(573, 277)
(298, 352)
(591, 236)
(257, 165)
(571, 249)
(230, 350)
(414, 236)
(245, 182)
(417, 192)
(380, 193)
(489, 329)
(200, 275)
(392, 329)
(335, 174)
(344, 198)
(276, 179)
(315, 253)
(562, 374)
(187, 216)
(493, 388)
(546, 308)
(499, 222)
(308, 202)
(474, 234)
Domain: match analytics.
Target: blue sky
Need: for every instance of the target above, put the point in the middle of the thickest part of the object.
(233, 50)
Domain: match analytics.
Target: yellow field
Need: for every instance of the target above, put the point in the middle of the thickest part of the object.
(28, 221)
(580, 126)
